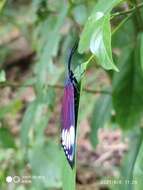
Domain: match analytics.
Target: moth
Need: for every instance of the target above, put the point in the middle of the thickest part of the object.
(69, 112)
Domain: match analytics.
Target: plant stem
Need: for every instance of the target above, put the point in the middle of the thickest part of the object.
(14, 84)
(121, 23)
(57, 86)
(97, 91)
(91, 91)
(137, 7)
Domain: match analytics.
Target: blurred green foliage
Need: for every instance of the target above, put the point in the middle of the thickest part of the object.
(51, 27)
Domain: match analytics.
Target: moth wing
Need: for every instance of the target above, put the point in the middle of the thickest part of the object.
(68, 123)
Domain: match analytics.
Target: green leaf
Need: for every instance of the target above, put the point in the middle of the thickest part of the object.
(34, 118)
(27, 121)
(129, 160)
(100, 116)
(80, 14)
(124, 35)
(47, 97)
(80, 69)
(6, 138)
(41, 123)
(46, 161)
(2, 76)
(101, 10)
(48, 47)
(128, 89)
(96, 35)
(13, 107)
(2, 2)
(86, 97)
(100, 44)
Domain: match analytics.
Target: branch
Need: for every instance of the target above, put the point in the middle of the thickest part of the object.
(14, 85)
(57, 86)
(128, 11)
(91, 91)
(120, 24)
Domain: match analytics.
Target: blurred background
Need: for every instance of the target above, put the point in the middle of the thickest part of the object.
(35, 40)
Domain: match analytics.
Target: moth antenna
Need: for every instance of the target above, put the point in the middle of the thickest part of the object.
(74, 48)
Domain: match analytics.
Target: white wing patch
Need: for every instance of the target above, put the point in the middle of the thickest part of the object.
(68, 140)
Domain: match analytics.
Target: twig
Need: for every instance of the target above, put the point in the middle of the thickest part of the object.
(57, 86)
(128, 11)
(91, 91)
(97, 91)
(14, 85)
(120, 24)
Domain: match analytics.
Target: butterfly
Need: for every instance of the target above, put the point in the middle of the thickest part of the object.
(69, 113)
